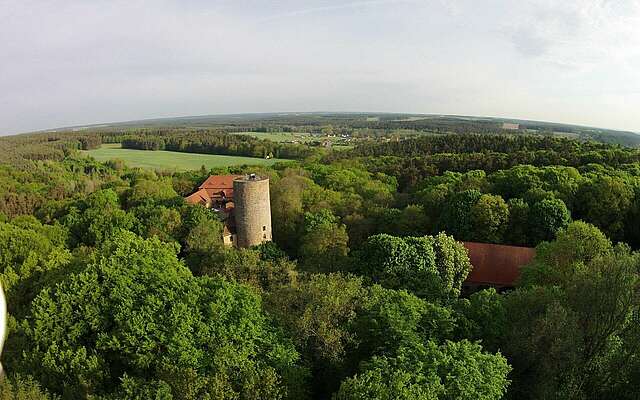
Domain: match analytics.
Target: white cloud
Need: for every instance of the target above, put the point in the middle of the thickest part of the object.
(578, 33)
(74, 62)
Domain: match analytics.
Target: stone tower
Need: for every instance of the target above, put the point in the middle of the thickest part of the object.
(252, 209)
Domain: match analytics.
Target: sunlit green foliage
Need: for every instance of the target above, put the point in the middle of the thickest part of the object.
(572, 331)
(96, 218)
(19, 388)
(137, 312)
(324, 245)
(432, 267)
(388, 319)
(32, 256)
(453, 371)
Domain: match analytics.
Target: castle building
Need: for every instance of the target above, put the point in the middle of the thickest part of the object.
(215, 192)
(243, 205)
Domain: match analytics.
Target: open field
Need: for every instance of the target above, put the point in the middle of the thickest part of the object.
(171, 160)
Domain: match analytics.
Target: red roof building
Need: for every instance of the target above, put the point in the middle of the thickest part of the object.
(217, 185)
(496, 265)
(200, 197)
(216, 191)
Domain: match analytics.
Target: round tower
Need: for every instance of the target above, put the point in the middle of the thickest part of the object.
(252, 209)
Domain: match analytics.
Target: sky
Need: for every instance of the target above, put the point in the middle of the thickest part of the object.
(76, 62)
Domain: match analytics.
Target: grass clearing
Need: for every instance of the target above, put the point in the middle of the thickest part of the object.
(172, 160)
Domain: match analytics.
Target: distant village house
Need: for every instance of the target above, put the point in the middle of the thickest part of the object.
(510, 126)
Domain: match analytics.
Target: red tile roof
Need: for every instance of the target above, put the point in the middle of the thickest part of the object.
(214, 187)
(199, 197)
(215, 184)
(219, 182)
(495, 264)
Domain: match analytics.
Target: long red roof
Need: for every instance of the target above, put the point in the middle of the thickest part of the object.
(495, 264)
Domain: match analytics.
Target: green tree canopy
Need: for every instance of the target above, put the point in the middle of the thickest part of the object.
(452, 371)
(318, 313)
(547, 217)
(324, 245)
(605, 202)
(572, 329)
(489, 217)
(456, 217)
(287, 210)
(145, 191)
(481, 316)
(557, 261)
(138, 315)
(388, 319)
(32, 256)
(96, 218)
(433, 267)
(19, 388)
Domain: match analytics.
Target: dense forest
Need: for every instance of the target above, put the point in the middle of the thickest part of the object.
(117, 289)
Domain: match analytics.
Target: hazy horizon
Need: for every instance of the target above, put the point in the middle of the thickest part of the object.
(73, 63)
(372, 113)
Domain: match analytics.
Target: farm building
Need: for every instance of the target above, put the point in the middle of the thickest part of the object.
(215, 192)
(242, 203)
(496, 265)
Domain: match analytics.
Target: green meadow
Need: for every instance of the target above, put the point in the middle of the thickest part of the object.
(171, 160)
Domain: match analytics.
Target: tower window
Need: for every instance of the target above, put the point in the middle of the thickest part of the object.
(264, 236)
(264, 228)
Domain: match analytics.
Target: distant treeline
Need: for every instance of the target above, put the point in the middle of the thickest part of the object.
(473, 143)
(218, 143)
(21, 150)
(412, 160)
(406, 154)
(435, 125)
